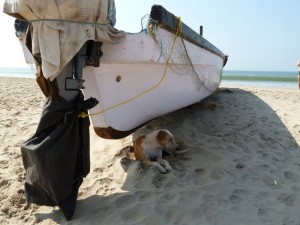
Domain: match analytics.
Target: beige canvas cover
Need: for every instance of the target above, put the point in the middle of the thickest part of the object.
(61, 27)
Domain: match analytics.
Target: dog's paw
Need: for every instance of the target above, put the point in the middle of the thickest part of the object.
(165, 169)
(166, 165)
(169, 168)
(162, 170)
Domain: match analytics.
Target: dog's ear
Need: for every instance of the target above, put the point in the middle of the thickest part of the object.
(161, 135)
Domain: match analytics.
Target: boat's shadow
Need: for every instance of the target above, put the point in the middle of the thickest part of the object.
(242, 143)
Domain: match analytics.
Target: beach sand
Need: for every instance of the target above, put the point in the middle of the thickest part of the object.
(243, 164)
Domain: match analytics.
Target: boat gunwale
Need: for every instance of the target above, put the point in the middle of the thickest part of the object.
(170, 22)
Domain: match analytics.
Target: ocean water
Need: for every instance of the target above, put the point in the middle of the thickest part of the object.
(25, 72)
(248, 78)
(286, 79)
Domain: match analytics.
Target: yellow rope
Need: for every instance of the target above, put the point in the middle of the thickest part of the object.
(83, 115)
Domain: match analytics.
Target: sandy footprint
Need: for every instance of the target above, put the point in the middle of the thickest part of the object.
(289, 175)
(235, 199)
(135, 215)
(270, 181)
(126, 201)
(173, 214)
(145, 196)
(287, 199)
(218, 173)
(158, 180)
(265, 214)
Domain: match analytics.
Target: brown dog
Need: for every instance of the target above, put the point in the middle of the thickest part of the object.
(148, 148)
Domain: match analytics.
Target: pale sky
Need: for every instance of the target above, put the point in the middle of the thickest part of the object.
(256, 34)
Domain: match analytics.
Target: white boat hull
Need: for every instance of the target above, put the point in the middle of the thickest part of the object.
(133, 88)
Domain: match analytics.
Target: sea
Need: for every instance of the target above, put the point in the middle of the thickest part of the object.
(284, 79)
(23, 72)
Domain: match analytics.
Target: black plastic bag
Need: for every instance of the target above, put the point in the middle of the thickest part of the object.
(57, 157)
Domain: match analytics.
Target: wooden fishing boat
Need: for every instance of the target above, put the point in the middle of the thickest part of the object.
(163, 68)
(151, 73)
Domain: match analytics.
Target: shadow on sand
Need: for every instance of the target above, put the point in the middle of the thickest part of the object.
(242, 159)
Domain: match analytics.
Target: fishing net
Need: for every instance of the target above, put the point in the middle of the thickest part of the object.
(180, 61)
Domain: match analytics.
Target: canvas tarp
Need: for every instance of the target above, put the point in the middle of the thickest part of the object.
(60, 28)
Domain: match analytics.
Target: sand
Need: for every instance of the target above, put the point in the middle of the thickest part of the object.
(243, 164)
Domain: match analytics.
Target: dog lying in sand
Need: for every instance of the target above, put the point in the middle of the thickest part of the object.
(149, 149)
